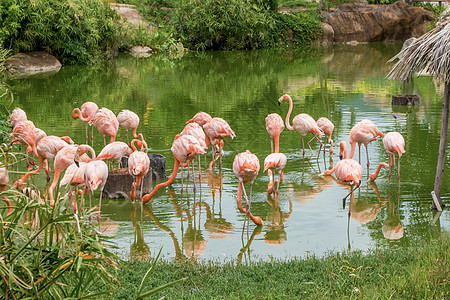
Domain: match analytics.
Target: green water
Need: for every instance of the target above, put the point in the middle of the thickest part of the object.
(344, 83)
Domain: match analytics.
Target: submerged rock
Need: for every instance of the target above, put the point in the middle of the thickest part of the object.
(118, 184)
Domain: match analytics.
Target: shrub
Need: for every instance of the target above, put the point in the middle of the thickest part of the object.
(74, 31)
(221, 25)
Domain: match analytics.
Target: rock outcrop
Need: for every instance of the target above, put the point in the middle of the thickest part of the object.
(362, 23)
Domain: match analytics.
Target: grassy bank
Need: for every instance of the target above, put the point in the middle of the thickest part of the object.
(419, 272)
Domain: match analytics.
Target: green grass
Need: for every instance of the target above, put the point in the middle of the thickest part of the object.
(419, 272)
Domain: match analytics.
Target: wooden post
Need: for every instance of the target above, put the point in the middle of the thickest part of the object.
(442, 147)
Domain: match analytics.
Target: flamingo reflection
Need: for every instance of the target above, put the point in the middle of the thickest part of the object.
(216, 225)
(275, 219)
(246, 247)
(139, 249)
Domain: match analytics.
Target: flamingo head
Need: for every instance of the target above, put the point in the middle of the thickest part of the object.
(284, 97)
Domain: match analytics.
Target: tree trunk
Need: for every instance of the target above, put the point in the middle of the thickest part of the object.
(442, 147)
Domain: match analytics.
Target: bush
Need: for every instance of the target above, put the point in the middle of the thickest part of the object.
(79, 31)
(221, 25)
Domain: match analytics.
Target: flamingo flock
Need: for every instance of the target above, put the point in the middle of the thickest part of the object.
(81, 171)
(201, 131)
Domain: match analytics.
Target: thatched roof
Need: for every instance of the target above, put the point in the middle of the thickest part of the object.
(430, 53)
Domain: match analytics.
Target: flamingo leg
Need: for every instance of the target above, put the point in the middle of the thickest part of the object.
(367, 154)
(90, 204)
(303, 145)
(92, 136)
(182, 185)
(193, 176)
(359, 153)
(142, 184)
(87, 136)
(212, 151)
(199, 174)
(220, 155)
(100, 205)
(398, 170)
(351, 191)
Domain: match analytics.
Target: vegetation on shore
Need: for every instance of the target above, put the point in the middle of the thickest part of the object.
(418, 272)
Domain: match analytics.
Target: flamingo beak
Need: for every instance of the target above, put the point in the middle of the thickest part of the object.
(341, 157)
(76, 159)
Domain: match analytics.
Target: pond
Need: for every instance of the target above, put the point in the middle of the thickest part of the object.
(344, 83)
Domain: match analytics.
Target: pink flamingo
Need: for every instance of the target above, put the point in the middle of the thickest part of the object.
(24, 133)
(184, 148)
(275, 161)
(106, 123)
(138, 167)
(363, 133)
(303, 123)
(327, 128)
(47, 149)
(195, 130)
(218, 128)
(114, 151)
(64, 158)
(246, 168)
(74, 176)
(201, 118)
(274, 126)
(87, 112)
(95, 176)
(128, 120)
(4, 179)
(17, 116)
(347, 171)
(393, 142)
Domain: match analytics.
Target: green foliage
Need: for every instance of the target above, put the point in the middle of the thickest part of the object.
(267, 4)
(381, 1)
(45, 254)
(221, 25)
(297, 29)
(79, 31)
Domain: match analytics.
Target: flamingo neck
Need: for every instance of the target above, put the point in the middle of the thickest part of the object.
(288, 116)
(112, 139)
(352, 150)
(277, 143)
(135, 133)
(374, 175)
(256, 220)
(169, 181)
(76, 114)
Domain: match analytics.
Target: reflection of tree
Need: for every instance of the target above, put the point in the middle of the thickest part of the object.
(139, 249)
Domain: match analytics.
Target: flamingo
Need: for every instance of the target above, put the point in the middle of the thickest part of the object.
(87, 112)
(64, 158)
(347, 171)
(201, 118)
(274, 126)
(275, 161)
(74, 176)
(128, 120)
(138, 167)
(327, 128)
(246, 168)
(106, 123)
(303, 123)
(195, 130)
(218, 128)
(95, 176)
(185, 147)
(363, 133)
(4, 180)
(47, 149)
(393, 142)
(17, 115)
(24, 133)
(114, 151)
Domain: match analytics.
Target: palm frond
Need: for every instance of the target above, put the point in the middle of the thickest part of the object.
(430, 53)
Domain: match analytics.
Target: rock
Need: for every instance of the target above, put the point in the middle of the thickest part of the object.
(328, 33)
(405, 100)
(139, 51)
(157, 164)
(130, 14)
(357, 22)
(118, 185)
(23, 64)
